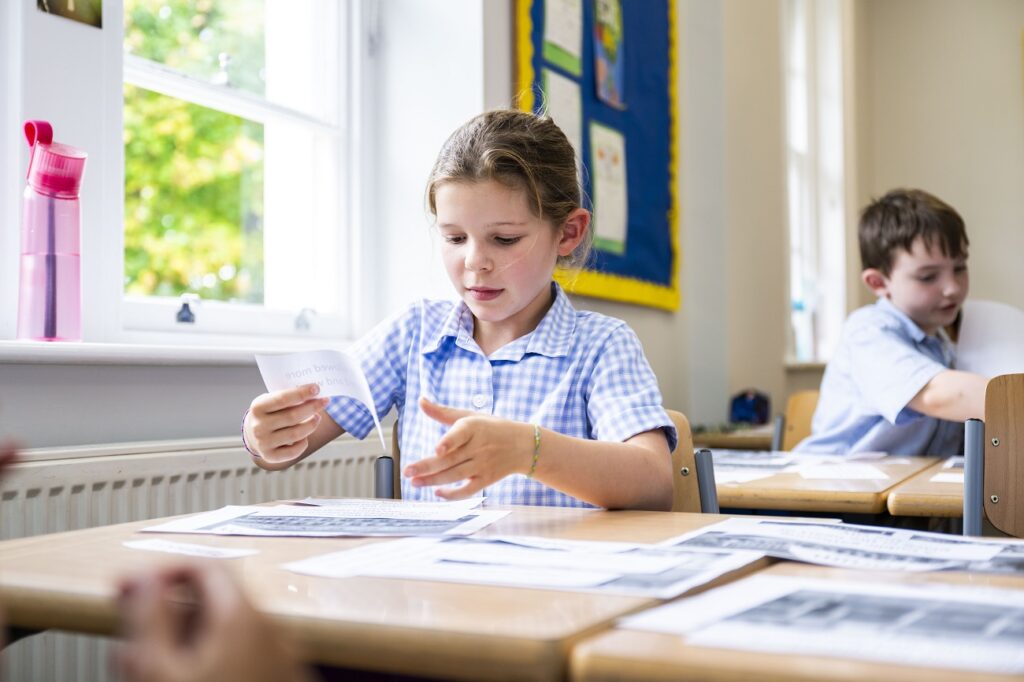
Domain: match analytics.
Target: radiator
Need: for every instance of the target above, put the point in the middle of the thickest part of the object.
(55, 490)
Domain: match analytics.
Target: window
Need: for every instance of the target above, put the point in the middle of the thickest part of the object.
(813, 54)
(235, 166)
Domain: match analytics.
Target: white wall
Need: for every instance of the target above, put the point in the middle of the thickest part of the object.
(945, 88)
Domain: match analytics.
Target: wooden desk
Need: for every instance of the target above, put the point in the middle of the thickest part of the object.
(473, 632)
(758, 438)
(625, 655)
(791, 492)
(920, 496)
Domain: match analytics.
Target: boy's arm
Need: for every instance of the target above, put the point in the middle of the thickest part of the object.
(952, 395)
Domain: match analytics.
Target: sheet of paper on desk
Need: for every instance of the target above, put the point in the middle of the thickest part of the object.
(842, 545)
(945, 626)
(990, 339)
(288, 520)
(620, 568)
(843, 470)
(336, 372)
(189, 549)
(948, 477)
(954, 462)
(396, 508)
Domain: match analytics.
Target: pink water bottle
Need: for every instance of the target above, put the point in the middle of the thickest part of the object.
(50, 289)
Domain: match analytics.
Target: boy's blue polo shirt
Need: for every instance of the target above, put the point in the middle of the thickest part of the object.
(579, 373)
(883, 360)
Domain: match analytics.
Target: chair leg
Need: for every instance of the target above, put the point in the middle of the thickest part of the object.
(706, 482)
(778, 432)
(383, 478)
(974, 476)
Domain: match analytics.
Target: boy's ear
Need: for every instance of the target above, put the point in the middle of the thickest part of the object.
(574, 229)
(876, 281)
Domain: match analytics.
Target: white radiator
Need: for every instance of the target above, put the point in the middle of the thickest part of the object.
(63, 489)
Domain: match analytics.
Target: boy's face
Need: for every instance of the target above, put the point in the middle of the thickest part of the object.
(926, 285)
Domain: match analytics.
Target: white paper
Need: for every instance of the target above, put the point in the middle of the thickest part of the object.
(991, 339)
(563, 25)
(847, 471)
(842, 545)
(292, 521)
(447, 510)
(565, 108)
(946, 626)
(955, 462)
(157, 545)
(727, 476)
(608, 161)
(336, 372)
(637, 570)
(948, 477)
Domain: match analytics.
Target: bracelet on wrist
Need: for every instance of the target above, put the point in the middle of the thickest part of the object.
(536, 451)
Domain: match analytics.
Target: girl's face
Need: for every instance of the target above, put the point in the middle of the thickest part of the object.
(498, 255)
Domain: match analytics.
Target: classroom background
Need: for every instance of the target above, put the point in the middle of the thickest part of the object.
(933, 97)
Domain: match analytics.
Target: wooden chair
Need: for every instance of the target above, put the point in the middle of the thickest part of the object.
(685, 476)
(994, 460)
(796, 424)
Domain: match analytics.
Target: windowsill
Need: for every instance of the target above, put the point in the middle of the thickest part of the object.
(803, 366)
(68, 353)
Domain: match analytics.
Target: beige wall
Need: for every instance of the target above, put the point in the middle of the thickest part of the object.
(946, 113)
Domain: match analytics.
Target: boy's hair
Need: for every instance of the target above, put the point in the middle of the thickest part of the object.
(522, 151)
(900, 217)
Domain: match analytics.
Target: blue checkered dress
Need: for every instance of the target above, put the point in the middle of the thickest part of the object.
(578, 373)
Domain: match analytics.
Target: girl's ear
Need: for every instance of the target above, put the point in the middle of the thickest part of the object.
(574, 230)
(876, 281)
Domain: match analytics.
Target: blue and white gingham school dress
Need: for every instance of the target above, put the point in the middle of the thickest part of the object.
(579, 373)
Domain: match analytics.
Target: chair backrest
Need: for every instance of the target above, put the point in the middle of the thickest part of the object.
(799, 411)
(686, 493)
(1004, 454)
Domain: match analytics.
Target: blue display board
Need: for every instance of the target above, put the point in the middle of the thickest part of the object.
(605, 71)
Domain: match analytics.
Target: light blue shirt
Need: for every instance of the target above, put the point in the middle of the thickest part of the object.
(579, 373)
(884, 359)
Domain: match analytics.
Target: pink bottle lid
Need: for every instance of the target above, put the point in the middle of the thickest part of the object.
(53, 168)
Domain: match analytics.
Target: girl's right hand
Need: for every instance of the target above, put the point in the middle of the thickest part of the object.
(279, 424)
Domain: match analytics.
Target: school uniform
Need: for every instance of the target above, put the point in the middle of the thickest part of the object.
(883, 360)
(579, 373)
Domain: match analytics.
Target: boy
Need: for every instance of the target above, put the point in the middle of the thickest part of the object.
(891, 386)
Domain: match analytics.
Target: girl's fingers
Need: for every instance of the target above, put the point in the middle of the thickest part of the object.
(460, 471)
(289, 397)
(472, 487)
(293, 434)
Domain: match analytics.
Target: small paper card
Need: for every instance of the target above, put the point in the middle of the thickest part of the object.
(336, 372)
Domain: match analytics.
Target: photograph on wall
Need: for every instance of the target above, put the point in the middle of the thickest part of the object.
(83, 11)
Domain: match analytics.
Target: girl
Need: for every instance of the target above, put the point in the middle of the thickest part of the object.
(510, 390)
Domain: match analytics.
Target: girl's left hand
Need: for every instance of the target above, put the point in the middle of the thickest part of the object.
(478, 448)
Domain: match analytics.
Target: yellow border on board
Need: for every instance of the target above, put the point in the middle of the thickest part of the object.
(592, 282)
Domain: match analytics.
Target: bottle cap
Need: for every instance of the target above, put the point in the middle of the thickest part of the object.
(53, 168)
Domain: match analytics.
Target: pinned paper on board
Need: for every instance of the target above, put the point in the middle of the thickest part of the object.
(991, 339)
(336, 373)
(611, 206)
(609, 61)
(565, 107)
(563, 34)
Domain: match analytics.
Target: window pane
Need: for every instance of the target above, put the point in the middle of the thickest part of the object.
(193, 200)
(287, 52)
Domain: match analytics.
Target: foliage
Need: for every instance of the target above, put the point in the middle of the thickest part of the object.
(194, 176)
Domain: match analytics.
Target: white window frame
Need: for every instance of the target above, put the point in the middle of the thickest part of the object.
(815, 87)
(153, 319)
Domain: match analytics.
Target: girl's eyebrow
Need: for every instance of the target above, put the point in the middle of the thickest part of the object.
(498, 223)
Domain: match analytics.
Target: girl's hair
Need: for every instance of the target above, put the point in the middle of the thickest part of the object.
(522, 151)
